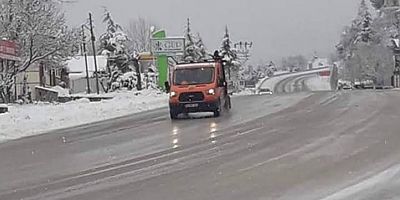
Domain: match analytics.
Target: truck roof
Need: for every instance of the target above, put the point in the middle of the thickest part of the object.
(195, 65)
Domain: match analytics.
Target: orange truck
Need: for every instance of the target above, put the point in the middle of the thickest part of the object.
(198, 87)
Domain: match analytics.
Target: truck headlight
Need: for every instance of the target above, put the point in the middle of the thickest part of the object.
(172, 94)
(211, 92)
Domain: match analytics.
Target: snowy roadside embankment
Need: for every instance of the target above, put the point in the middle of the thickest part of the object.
(27, 120)
(318, 83)
(273, 81)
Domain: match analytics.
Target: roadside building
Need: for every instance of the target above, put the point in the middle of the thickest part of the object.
(41, 75)
(8, 66)
(23, 84)
(77, 72)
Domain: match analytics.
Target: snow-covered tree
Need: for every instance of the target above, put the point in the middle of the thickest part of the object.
(114, 46)
(377, 4)
(40, 29)
(363, 50)
(114, 39)
(195, 49)
(365, 24)
(294, 63)
(190, 44)
(200, 48)
(229, 55)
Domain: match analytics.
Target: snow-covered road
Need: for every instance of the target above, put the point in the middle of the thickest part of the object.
(307, 146)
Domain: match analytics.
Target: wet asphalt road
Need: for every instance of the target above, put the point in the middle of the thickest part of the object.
(321, 145)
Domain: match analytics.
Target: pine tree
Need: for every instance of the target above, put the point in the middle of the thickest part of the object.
(201, 49)
(227, 52)
(190, 46)
(114, 38)
(365, 24)
(113, 44)
(230, 56)
(195, 49)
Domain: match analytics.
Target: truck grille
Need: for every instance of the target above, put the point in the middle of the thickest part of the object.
(191, 96)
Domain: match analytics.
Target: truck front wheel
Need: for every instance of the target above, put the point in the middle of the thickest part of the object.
(173, 114)
(217, 112)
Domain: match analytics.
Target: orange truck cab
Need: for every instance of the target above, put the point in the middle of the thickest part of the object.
(198, 87)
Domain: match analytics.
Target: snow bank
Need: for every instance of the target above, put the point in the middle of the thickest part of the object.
(276, 74)
(246, 92)
(281, 72)
(318, 83)
(61, 91)
(271, 82)
(27, 120)
(362, 188)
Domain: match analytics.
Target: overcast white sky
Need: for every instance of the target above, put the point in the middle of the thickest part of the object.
(277, 27)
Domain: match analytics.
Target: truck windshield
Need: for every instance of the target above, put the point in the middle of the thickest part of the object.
(194, 76)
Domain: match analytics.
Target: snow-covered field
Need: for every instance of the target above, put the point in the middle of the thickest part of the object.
(27, 120)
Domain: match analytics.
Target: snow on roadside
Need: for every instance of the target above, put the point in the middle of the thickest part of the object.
(278, 73)
(27, 120)
(361, 190)
(61, 91)
(271, 82)
(281, 72)
(318, 83)
(246, 92)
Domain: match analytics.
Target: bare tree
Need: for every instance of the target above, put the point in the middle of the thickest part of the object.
(139, 32)
(292, 63)
(40, 29)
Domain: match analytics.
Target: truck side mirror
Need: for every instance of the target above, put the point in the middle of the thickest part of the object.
(167, 87)
(221, 83)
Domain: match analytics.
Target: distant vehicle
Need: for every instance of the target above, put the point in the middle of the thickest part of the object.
(265, 91)
(383, 87)
(347, 87)
(367, 84)
(357, 85)
(379, 87)
(198, 87)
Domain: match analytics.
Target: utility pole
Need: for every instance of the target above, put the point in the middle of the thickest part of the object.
(15, 83)
(93, 38)
(86, 58)
(135, 60)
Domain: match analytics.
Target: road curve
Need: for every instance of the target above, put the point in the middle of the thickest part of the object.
(293, 84)
(327, 146)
